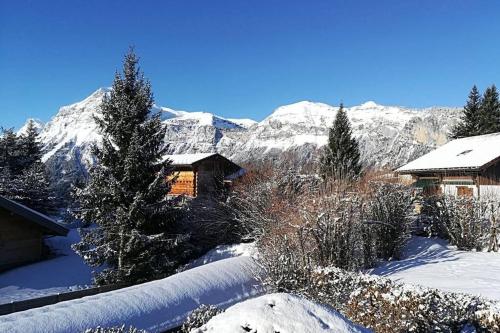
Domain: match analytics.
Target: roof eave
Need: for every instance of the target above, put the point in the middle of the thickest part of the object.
(36, 217)
(412, 171)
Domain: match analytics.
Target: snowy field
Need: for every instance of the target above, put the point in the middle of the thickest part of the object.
(433, 263)
(66, 272)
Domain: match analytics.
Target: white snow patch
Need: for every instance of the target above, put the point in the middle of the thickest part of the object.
(244, 122)
(431, 262)
(282, 313)
(224, 252)
(38, 124)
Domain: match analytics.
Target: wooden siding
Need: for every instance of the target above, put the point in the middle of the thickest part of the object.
(202, 178)
(20, 240)
(185, 183)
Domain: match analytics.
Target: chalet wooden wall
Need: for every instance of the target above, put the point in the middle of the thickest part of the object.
(185, 183)
(203, 178)
(20, 241)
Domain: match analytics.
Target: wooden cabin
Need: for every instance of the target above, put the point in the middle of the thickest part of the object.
(21, 233)
(198, 175)
(462, 167)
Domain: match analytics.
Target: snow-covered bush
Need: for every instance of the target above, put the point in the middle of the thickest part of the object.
(117, 329)
(199, 317)
(463, 221)
(386, 306)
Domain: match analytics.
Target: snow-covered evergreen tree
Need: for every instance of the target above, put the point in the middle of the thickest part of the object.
(340, 159)
(23, 176)
(30, 145)
(134, 237)
(469, 124)
(490, 111)
(9, 151)
(33, 189)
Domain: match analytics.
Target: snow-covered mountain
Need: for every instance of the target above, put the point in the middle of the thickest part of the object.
(36, 122)
(388, 135)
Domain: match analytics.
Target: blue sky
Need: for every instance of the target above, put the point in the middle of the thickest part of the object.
(242, 58)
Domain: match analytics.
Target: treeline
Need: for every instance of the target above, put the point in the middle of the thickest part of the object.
(23, 176)
(481, 114)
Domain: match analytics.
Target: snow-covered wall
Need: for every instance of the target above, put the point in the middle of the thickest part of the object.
(154, 306)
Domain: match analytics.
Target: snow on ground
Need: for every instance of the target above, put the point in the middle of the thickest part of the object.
(154, 306)
(65, 272)
(223, 252)
(282, 313)
(433, 263)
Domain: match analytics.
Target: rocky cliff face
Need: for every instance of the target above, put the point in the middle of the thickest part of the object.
(388, 135)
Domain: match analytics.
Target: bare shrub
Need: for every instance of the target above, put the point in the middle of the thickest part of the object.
(345, 225)
(462, 221)
(388, 208)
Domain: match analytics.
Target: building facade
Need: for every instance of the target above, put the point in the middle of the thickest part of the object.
(202, 175)
(462, 167)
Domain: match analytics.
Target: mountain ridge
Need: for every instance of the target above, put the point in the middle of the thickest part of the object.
(388, 135)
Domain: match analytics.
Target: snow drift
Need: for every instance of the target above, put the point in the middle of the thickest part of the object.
(282, 313)
(154, 306)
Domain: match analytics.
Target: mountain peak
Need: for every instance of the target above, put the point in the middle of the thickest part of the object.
(369, 105)
(36, 122)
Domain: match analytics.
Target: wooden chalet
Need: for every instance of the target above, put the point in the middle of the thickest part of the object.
(462, 167)
(21, 233)
(198, 175)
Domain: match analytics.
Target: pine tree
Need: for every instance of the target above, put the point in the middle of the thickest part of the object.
(23, 176)
(469, 124)
(126, 194)
(30, 146)
(8, 161)
(9, 151)
(490, 112)
(33, 189)
(341, 156)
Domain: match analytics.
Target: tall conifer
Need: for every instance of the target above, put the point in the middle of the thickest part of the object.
(30, 145)
(23, 176)
(126, 194)
(490, 111)
(469, 123)
(341, 156)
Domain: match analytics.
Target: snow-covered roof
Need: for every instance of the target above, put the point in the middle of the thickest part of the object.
(33, 216)
(188, 159)
(472, 153)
